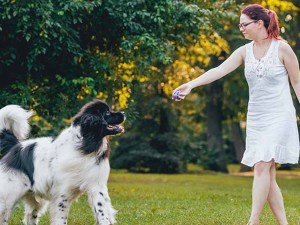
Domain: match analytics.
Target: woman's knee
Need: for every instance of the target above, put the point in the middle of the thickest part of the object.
(262, 168)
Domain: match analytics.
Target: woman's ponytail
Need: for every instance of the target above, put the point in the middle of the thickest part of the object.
(273, 28)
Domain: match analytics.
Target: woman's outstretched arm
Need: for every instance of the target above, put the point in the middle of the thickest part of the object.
(229, 65)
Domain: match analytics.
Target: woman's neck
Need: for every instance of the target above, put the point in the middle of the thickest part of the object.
(262, 38)
(262, 42)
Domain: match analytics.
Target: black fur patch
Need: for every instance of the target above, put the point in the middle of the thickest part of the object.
(7, 141)
(21, 159)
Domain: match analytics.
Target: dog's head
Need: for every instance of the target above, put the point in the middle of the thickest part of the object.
(96, 121)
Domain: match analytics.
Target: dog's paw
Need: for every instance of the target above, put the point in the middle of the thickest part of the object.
(112, 221)
(104, 221)
(112, 216)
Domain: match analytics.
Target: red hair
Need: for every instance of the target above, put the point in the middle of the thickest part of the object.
(269, 17)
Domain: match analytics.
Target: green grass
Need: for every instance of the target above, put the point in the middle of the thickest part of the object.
(186, 199)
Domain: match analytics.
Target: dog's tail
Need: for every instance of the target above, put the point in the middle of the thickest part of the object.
(13, 126)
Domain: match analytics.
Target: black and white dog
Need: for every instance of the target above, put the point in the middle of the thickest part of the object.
(52, 172)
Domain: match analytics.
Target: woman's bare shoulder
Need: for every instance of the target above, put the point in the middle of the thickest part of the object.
(284, 46)
(241, 51)
(285, 51)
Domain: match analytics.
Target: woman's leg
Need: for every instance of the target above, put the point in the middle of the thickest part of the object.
(260, 190)
(275, 198)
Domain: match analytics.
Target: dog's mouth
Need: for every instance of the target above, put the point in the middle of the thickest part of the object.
(115, 129)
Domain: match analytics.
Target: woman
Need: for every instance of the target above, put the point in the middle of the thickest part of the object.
(272, 135)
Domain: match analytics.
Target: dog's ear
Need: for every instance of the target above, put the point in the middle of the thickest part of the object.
(90, 121)
(92, 129)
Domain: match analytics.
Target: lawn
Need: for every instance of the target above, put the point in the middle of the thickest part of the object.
(187, 199)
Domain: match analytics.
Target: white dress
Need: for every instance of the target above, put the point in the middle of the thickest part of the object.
(271, 129)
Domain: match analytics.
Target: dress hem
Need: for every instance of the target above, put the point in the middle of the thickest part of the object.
(280, 154)
(295, 161)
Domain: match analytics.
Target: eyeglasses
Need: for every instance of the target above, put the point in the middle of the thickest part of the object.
(244, 25)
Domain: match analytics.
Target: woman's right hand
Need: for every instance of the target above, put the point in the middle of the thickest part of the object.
(184, 90)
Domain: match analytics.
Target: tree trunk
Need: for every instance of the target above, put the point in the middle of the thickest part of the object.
(214, 126)
(239, 144)
(164, 122)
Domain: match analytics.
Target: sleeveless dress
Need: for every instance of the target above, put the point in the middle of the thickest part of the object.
(271, 128)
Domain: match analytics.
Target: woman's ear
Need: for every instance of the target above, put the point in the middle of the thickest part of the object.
(260, 23)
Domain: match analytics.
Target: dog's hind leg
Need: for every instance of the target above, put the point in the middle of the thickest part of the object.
(100, 203)
(7, 204)
(34, 208)
(12, 189)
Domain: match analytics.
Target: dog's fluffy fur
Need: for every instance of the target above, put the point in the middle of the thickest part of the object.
(53, 171)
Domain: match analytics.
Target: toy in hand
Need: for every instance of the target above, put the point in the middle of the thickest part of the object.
(176, 95)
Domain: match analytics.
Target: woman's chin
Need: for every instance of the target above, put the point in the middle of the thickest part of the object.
(246, 36)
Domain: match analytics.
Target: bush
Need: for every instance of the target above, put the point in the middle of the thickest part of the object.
(161, 154)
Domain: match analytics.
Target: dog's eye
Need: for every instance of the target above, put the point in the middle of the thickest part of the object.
(107, 113)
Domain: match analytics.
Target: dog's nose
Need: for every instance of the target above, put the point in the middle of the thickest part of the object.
(124, 115)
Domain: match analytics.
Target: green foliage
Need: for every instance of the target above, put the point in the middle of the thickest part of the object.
(35, 31)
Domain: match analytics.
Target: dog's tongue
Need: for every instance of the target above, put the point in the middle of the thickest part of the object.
(122, 130)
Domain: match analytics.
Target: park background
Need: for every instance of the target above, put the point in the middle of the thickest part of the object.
(178, 162)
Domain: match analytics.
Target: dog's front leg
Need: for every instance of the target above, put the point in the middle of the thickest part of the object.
(4, 216)
(100, 203)
(59, 209)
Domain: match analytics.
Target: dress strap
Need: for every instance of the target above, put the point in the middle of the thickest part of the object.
(276, 51)
(248, 51)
